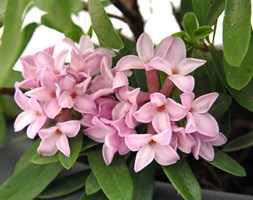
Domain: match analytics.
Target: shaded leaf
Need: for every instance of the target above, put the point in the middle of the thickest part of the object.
(184, 181)
(9, 106)
(97, 196)
(39, 159)
(2, 127)
(201, 8)
(216, 8)
(227, 164)
(91, 185)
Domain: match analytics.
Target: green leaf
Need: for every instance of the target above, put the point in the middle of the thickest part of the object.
(12, 37)
(239, 143)
(224, 123)
(201, 8)
(202, 32)
(190, 23)
(39, 159)
(9, 106)
(115, 179)
(227, 164)
(103, 26)
(91, 185)
(97, 196)
(2, 127)
(29, 182)
(185, 6)
(221, 105)
(3, 4)
(216, 8)
(65, 185)
(26, 158)
(236, 30)
(184, 181)
(88, 143)
(245, 95)
(75, 148)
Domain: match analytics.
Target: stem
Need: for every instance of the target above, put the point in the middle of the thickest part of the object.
(142, 98)
(167, 87)
(152, 81)
(151, 129)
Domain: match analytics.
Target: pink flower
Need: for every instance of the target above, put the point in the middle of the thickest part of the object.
(56, 138)
(198, 118)
(151, 147)
(32, 116)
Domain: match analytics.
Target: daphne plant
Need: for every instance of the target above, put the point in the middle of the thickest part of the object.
(123, 115)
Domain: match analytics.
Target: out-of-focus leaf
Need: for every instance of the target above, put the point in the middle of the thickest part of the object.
(91, 185)
(239, 143)
(39, 159)
(115, 179)
(201, 8)
(202, 32)
(75, 148)
(216, 8)
(190, 23)
(243, 96)
(184, 181)
(12, 37)
(88, 143)
(65, 185)
(3, 4)
(224, 123)
(236, 31)
(97, 196)
(185, 6)
(2, 127)
(9, 106)
(227, 164)
(14, 76)
(29, 182)
(103, 26)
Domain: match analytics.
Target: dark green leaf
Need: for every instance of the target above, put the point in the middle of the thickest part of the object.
(97, 196)
(2, 127)
(221, 105)
(65, 185)
(236, 30)
(184, 181)
(183, 36)
(75, 148)
(88, 143)
(91, 185)
(201, 8)
(190, 23)
(216, 8)
(12, 37)
(29, 182)
(227, 164)
(202, 32)
(9, 106)
(243, 96)
(239, 143)
(115, 179)
(141, 80)
(224, 123)
(26, 158)
(103, 26)
(39, 159)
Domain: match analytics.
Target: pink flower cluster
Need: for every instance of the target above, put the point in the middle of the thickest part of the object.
(87, 94)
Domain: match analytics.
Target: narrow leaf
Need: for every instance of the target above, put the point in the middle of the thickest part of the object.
(201, 8)
(103, 26)
(183, 180)
(115, 179)
(39, 159)
(97, 196)
(75, 148)
(239, 143)
(91, 185)
(65, 185)
(236, 30)
(2, 127)
(227, 164)
(202, 32)
(216, 8)
(29, 182)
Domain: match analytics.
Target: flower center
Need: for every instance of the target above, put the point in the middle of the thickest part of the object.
(58, 132)
(73, 95)
(160, 108)
(53, 95)
(152, 142)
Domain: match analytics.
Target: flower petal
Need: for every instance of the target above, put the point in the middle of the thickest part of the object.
(108, 154)
(206, 151)
(52, 108)
(163, 47)
(129, 62)
(48, 146)
(145, 47)
(69, 128)
(161, 65)
(203, 103)
(187, 99)
(188, 65)
(135, 141)
(24, 119)
(145, 113)
(84, 104)
(63, 145)
(34, 127)
(184, 83)
(158, 99)
(161, 121)
(165, 155)
(163, 138)
(144, 157)
(176, 111)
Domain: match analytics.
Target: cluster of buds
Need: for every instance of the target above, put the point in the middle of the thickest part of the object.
(88, 96)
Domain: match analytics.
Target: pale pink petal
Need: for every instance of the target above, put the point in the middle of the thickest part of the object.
(190, 125)
(196, 147)
(120, 110)
(44, 60)
(67, 83)
(145, 47)
(122, 128)
(165, 155)
(52, 108)
(48, 79)
(85, 43)
(40, 93)
(111, 140)
(185, 142)
(69, 128)
(144, 157)
(35, 126)
(24, 119)
(203, 103)
(163, 138)
(206, 124)
(129, 62)
(47, 132)
(92, 63)
(184, 83)
(135, 141)
(119, 80)
(106, 71)
(96, 133)
(163, 47)
(176, 111)
(21, 99)
(206, 151)
(145, 113)
(84, 104)
(60, 60)
(101, 93)
(122, 148)
(161, 65)
(220, 139)
(130, 119)
(108, 154)
(161, 121)
(65, 100)
(158, 99)
(188, 65)
(48, 146)
(187, 99)
(71, 43)
(63, 145)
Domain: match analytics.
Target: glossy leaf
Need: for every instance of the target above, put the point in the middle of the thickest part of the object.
(244, 96)
(236, 31)
(2, 127)
(216, 8)
(190, 23)
(12, 37)
(201, 8)
(29, 182)
(202, 32)
(103, 26)
(97, 196)
(227, 164)
(65, 185)
(184, 181)
(239, 143)
(75, 148)
(91, 185)
(39, 159)
(115, 179)
(26, 158)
